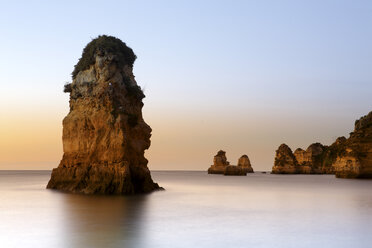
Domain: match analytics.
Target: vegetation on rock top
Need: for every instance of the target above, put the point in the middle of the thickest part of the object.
(104, 44)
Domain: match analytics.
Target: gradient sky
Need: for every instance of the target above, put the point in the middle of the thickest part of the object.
(243, 76)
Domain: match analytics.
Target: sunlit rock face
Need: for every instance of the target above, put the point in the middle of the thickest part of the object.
(222, 166)
(219, 163)
(285, 162)
(245, 164)
(310, 161)
(317, 159)
(104, 134)
(346, 158)
(354, 158)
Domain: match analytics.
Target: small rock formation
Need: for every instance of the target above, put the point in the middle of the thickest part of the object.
(222, 166)
(219, 163)
(354, 155)
(346, 158)
(245, 164)
(104, 134)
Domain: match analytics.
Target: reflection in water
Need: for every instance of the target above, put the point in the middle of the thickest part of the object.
(103, 221)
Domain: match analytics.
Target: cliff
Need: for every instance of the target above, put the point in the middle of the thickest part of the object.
(346, 158)
(354, 158)
(316, 159)
(104, 134)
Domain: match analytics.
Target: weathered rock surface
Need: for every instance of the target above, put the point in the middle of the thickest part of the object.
(346, 158)
(219, 163)
(245, 164)
(312, 161)
(222, 166)
(354, 156)
(104, 134)
(285, 162)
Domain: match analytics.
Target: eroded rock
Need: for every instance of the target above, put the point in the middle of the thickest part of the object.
(354, 157)
(104, 134)
(245, 164)
(346, 157)
(222, 166)
(310, 161)
(219, 163)
(285, 162)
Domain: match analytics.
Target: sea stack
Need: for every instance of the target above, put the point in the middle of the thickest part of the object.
(222, 166)
(285, 162)
(245, 164)
(219, 163)
(104, 134)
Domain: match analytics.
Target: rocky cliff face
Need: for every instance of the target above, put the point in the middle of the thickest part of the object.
(312, 161)
(285, 162)
(104, 134)
(354, 156)
(346, 158)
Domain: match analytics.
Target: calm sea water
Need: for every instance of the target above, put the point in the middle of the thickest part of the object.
(195, 210)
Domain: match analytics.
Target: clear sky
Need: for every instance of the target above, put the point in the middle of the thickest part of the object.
(243, 76)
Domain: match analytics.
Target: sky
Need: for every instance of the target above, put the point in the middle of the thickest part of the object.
(242, 76)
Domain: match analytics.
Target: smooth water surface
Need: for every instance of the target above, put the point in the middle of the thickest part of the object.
(195, 210)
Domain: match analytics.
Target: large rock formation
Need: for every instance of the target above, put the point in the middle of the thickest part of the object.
(219, 163)
(310, 161)
(346, 158)
(315, 160)
(104, 134)
(222, 166)
(354, 155)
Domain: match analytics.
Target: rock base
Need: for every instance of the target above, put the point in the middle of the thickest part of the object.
(100, 179)
(232, 170)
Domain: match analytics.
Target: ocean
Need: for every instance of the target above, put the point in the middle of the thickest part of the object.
(194, 210)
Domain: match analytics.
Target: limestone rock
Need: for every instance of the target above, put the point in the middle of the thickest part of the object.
(354, 157)
(222, 166)
(245, 164)
(285, 162)
(104, 134)
(310, 161)
(330, 154)
(219, 163)
(346, 157)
